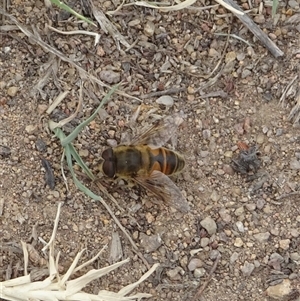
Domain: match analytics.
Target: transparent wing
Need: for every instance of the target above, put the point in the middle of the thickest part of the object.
(158, 134)
(163, 187)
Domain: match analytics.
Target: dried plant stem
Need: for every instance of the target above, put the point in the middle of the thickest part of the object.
(282, 98)
(247, 21)
(59, 54)
(54, 229)
(74, 32)
(203, 287)
(286, 195)
(62, 287)
(135, 248)
(165, 92)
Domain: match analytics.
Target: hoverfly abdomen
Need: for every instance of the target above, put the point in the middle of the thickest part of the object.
(166, 161)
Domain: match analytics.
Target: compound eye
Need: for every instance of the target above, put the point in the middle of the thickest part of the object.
(109, 168)
(108, 154)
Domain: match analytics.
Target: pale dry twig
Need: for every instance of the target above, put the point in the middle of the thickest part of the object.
(61, 287)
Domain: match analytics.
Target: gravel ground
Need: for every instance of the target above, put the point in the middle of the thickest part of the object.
(230, 93)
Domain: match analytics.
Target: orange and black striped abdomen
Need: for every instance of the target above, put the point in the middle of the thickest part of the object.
(140, 160)
(165, 161)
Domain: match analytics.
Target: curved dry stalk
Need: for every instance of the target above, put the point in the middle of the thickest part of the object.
(74, 32)
(61, 287)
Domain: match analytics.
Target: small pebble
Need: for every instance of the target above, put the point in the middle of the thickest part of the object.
(262, 237)
(295, 232)
(260, 203)
(295, 164)
(175, 273)
(260, 138)
(246, 73)
(206, 134)
(194, 264)
(214, 254)
(239, 211)
(225, 216)
(284, 244)
(250, 206)
(134, 22)
(31, 129)
(215, 196)
(12, 91)
(233, 258)
(260, 19)
(247, 268)
(204, 242)
(149, 29)
(238, 242)
(274, 231)
(240, 226)
(165, 100)
(228, 154)
(5, 151)
(280, 291)
(150, 243)
(230, 56)
(279, 132)
(110, 76)
(228, 169)
(275, 261)
(295, 256)
(209, 225)
(200, 272)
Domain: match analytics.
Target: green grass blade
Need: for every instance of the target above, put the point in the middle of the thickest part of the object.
(79, 185)
(274, 7)
(80, 162)
(60, 134)
(76, 131)
(73, 12)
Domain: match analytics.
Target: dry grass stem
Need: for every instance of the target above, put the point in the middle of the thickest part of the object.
(116, 10)
(165, 92)
(135, 248)
(179, 6)
(285, 91)
(233, 36)
(57, 101)
(205, 284)
(230, 8)
(54, 228)
(83, 73)
(295, 114)
(107, 26)
(50, 67)
(260, 35)
(62, 160)
(8, 28)
(25, 252)
(195, 8)
(75, 32)
(59, 287)
(182, 5)
(287, 195)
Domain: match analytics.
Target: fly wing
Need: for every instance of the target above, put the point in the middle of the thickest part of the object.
(163, 187)
(158, 134)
